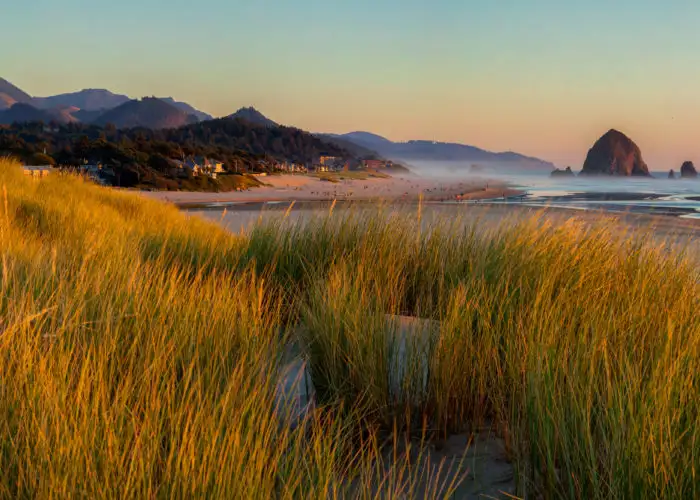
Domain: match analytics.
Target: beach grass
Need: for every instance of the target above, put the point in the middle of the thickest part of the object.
(224, 182)
(140, 352)
(349, 175)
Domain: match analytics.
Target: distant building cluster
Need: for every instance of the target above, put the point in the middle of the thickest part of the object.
(96, 172)
(293, 168)
(202, 166)
(328, 161)
(377, 164)
(324, 164)
(199, 166)
(330, 164)
(101, 174)
(325, 168)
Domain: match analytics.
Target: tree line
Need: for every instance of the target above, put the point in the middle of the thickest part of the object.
(241, 146)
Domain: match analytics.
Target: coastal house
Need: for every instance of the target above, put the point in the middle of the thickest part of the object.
(377, 164)
(294, 168)
(199, 166)
(329, 161)
(37, 171)
(211, 167)
(326, 168)
(188, 167)
(180, 169)
(93, 172)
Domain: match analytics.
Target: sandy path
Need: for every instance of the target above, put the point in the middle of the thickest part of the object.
(476, 463)
(281, 188)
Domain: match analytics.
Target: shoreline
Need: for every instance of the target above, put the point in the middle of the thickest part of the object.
(300, 188)
(488, 210)
(286, 189)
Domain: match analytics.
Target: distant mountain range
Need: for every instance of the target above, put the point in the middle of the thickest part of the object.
(431, 151)
(86, 100)
(354, 147)
(149, 112)
(183, 106)
(95, 106)
(21, 112)
(100, 107)
(10, 95)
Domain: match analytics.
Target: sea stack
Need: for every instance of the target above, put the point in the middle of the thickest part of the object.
(615, 154)
(562, 173)
(671, 174)
(688, 170)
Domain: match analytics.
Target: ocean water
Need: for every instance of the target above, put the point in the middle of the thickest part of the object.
(658, 195)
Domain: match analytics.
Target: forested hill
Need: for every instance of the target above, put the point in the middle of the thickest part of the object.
(227, 140)
(283, 143)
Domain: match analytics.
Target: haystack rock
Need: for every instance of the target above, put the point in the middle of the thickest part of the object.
(688, 170)
(671, 174)
(615, 154)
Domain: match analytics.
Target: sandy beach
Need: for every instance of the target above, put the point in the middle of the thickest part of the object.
(280, 188)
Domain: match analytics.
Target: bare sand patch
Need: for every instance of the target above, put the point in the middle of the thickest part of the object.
(475, 463)
(287, 188)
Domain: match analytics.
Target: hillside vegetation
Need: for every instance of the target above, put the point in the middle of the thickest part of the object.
(224, 139)
(140, 351)
(145, 158)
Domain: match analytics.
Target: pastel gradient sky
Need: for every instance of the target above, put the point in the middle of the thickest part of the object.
(541, 77)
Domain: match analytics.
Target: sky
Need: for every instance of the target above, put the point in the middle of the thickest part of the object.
(540, 77)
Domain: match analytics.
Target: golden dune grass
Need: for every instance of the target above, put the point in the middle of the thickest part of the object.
(140, 350)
